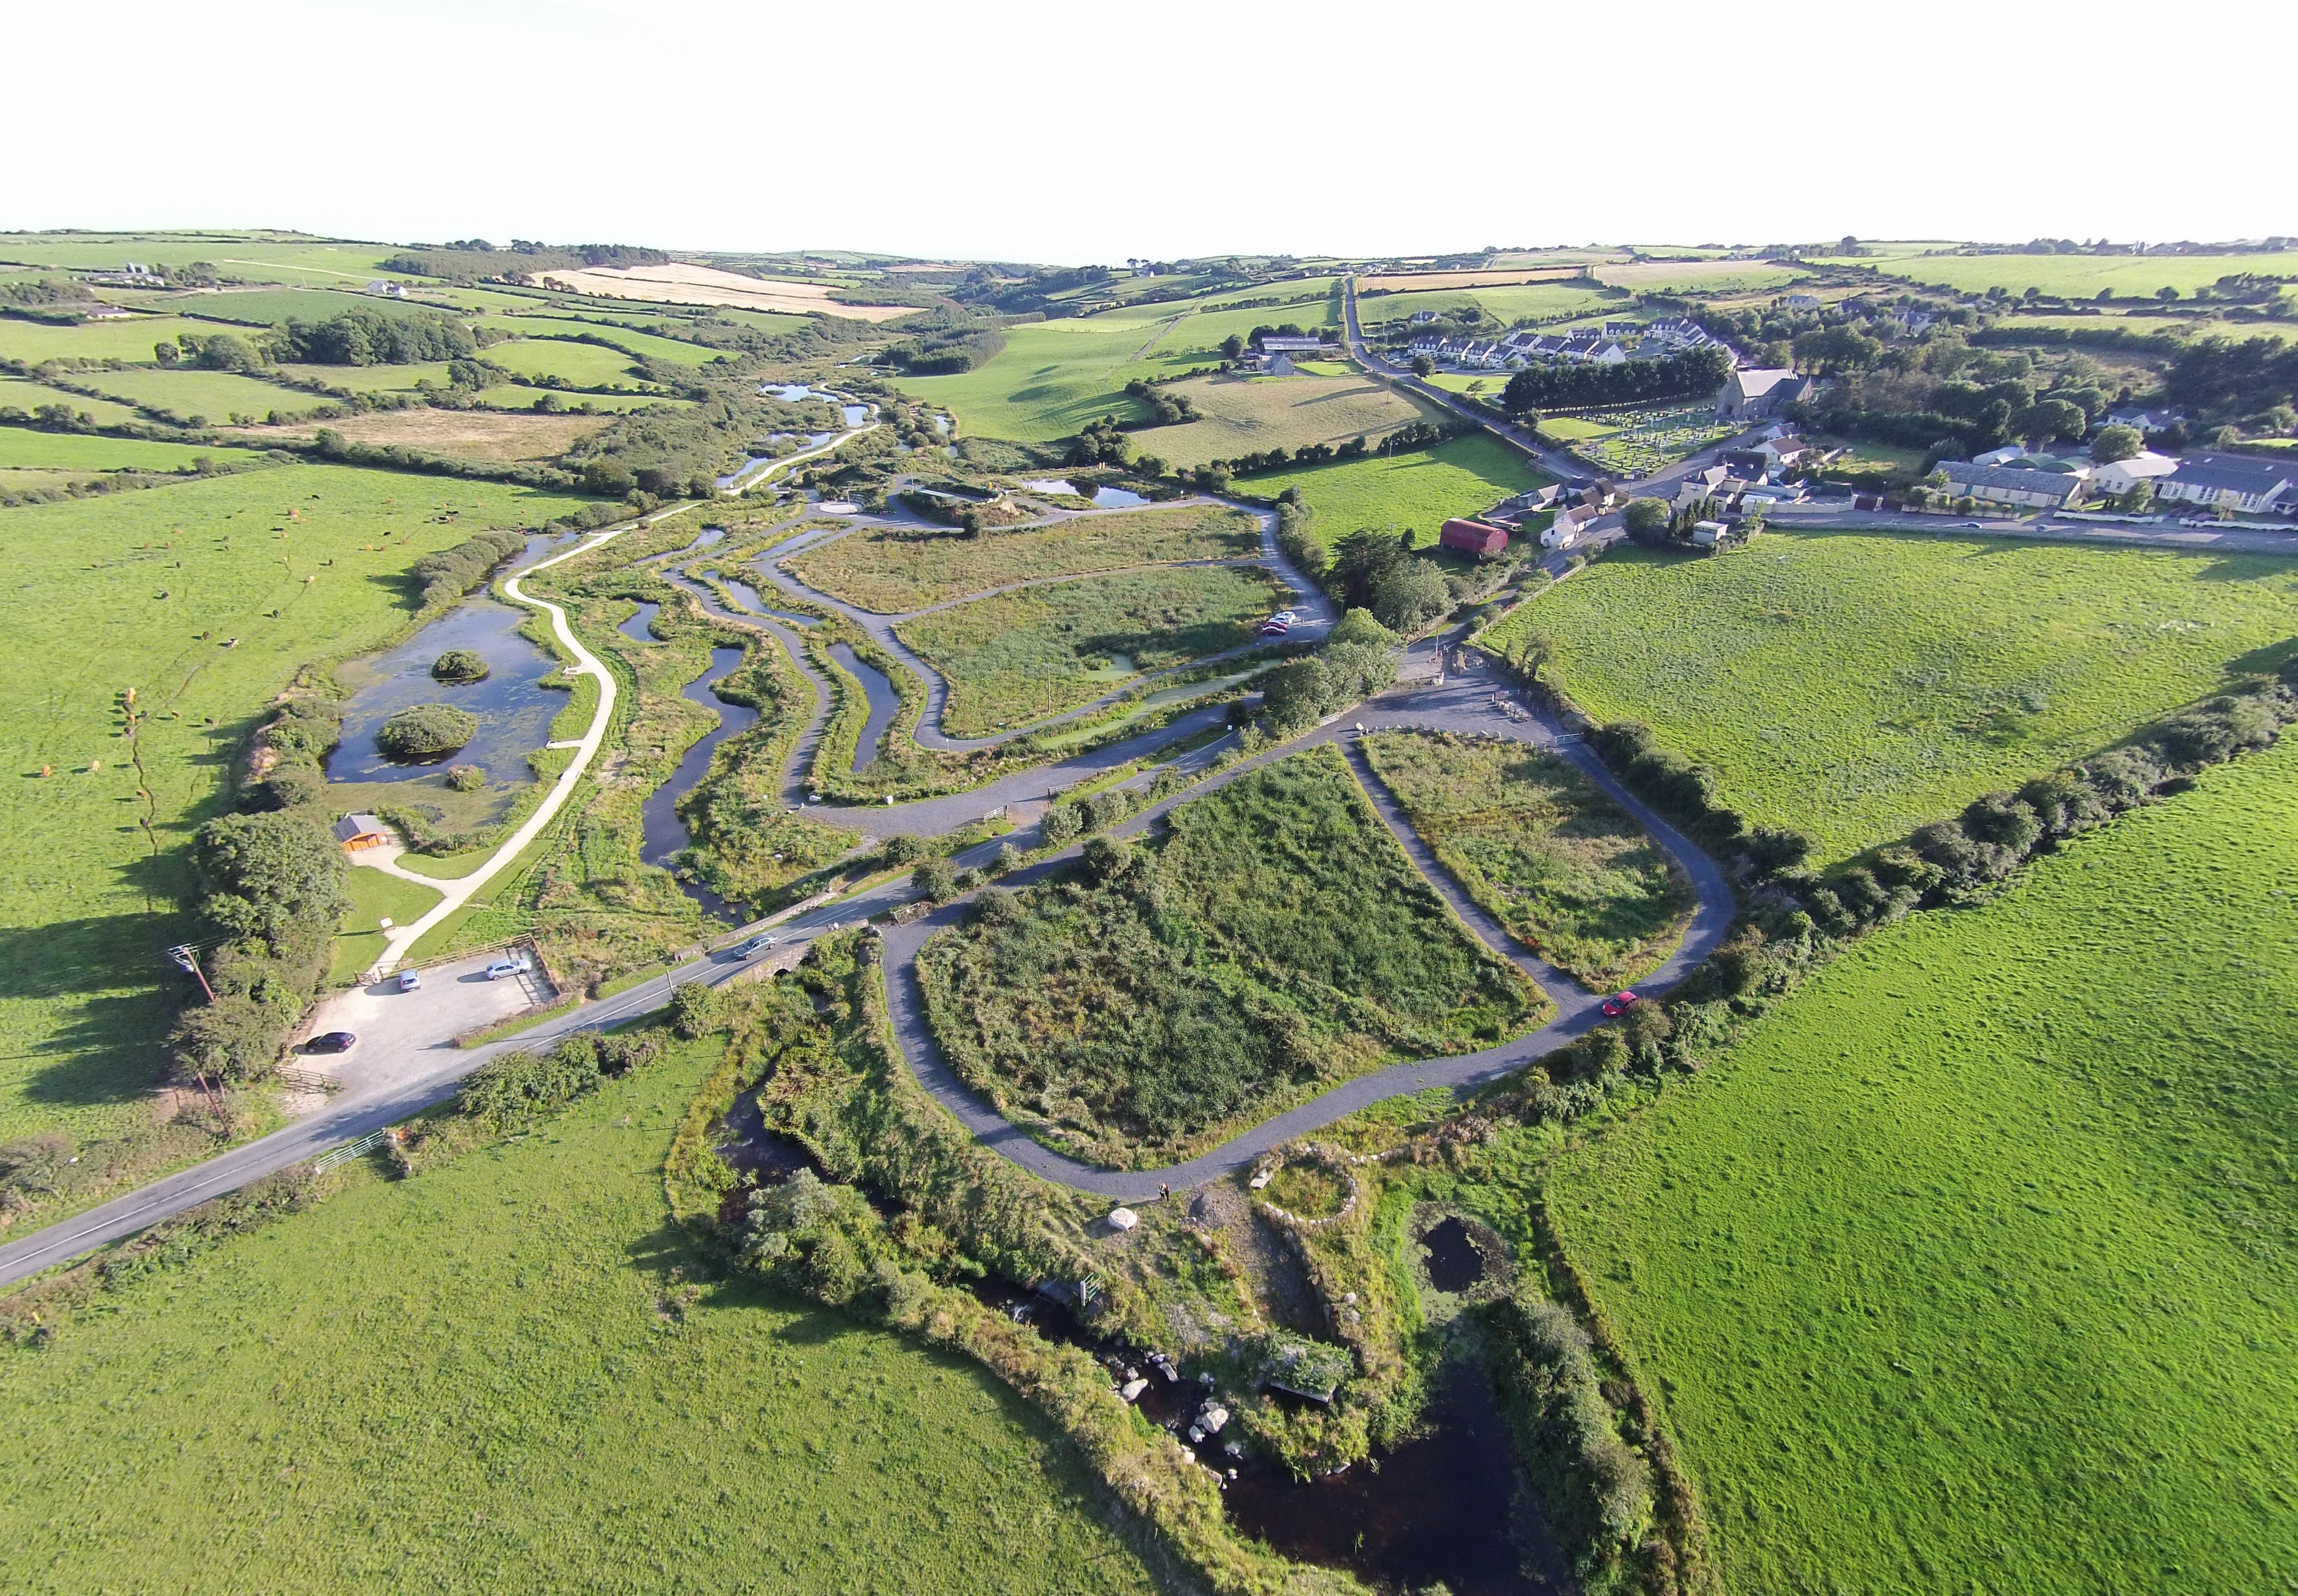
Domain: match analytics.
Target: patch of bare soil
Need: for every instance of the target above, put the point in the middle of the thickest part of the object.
(1272, 1268)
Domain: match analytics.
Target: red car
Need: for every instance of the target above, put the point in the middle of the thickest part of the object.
(1620, 1004)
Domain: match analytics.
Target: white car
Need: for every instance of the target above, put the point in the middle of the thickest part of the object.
(1286, 615)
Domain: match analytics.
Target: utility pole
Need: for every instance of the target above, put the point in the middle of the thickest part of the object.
(185, 956)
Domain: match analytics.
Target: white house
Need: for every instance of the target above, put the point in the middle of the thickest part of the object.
(385, 288)
(2123, 476)
(1799, 301)
(2244, 480)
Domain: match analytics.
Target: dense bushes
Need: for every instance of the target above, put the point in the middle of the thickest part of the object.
(459, 665)
(1685, 793)
(1695, 372)
(272, 892)
(1354, 663)
(451, 573)
(370, 338)
(426, 732)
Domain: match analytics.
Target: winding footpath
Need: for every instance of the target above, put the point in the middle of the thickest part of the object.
(1468, 702)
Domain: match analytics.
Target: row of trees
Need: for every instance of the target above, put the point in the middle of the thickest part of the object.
(354, 338)
(1697, 371)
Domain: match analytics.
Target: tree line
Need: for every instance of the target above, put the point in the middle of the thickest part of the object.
(1695, 372)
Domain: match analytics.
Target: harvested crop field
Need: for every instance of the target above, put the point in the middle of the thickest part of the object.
(679, 282)
(1542, 850)
(1419, 282)
(1247, 415)
(470, 435)
(895, 571)
(1017, 657)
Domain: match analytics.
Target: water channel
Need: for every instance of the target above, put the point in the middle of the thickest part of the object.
(884, 703)
(665, 835)
(1104, 497)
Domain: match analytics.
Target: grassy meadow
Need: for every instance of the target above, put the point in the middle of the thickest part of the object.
(892, 571)
(1277, 940)
(579, 365)
(206, 597)
(1541, 848)
(1245, 415)
(29, 396)
(1973, 1266)
(256, 256)
(21, 447)
(214, 394)
(506, 1375)
(1017, 657)
(33, 342)
(1414, 492)
(2081, 276)
(1509, 303)
(1854, 686)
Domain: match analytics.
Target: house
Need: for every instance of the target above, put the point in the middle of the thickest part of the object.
(2121, 477)
(1569, 526)
(1768, 458)
(1757, 391)
(1914, 324)
(2245, 481)
(1284, 344)
(1421, 317)
(2146, 421)
(383, 288)
(357, 832)
(1799, 301)
(2008, 485)
(106, 313)
(1537, 498)
(1473, 537)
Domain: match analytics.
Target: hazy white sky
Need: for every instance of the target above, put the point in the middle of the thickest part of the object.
(1074, 133)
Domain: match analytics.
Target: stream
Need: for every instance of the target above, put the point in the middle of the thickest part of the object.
(666, 835)
(884, 703)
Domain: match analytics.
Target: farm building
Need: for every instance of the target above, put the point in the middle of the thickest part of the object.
(357, 832)
(1758, 392)
(2244, 480)
(2007, 485)
(382, 287)
(1284, 344)
(1473, 537)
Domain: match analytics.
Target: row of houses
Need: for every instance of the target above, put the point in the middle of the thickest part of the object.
(2249, 485)
(1518, 351)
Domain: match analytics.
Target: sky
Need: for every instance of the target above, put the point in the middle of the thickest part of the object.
(1070, 134)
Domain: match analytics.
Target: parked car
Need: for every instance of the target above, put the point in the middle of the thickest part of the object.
(754, 946)
(503, 967)
(334, 1041)
(1286, 615)
(1620, 1004)
(1274, 628)
(409, 980)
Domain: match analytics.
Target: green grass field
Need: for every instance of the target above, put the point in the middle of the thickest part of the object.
(1509, 303)
(1018, 658)
(254, 256)
(631, 339)
(1416, 493)
(22, 446)
(86, 906)
(29, 396)
(1247, 415)
(214, 394)
(33, 342)
(1855, 686)
(269, 307)
(374, 896)
(492, 1377)
(1542, 850)
(2081, 276)
(583, 365)
(1971, 1267)
(894, 572)
(1277, 941)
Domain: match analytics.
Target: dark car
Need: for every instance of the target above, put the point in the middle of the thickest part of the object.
(1620, 1004)
(334, 1041)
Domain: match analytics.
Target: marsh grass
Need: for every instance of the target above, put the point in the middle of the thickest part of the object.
(1541, 849)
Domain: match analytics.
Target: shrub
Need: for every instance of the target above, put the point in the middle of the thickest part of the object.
(901, 849)
(696, 1010)
(460, 665)
(426, 732)
(936, 879)
(465, 778)
(1062, 824)
(518, 1086)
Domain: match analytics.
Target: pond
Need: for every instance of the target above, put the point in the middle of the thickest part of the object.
(637, 627)
(788, 392)
(748, 598)
(1438, 1508)
(1104, 497)
(514, 712)
(665, 835)
(884, 702)
(1455, 1261)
